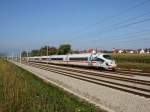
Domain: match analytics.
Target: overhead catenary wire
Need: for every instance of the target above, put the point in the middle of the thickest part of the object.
(130, 34)
(116, 15)
(133, 37)
(125, 38)
(133, 42)
(122, 24)
(127, 25)
(137, 17)
(113, 16)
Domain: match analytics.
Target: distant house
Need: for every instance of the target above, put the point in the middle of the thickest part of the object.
(90, 50)
(120, 51)
(114, 50)
(131, 52)
(142, 51)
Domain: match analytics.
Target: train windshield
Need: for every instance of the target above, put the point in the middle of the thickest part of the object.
(108, 57)
(99, 59)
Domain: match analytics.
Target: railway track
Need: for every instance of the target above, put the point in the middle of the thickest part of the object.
(140, 73)
(99, 74)
(118, 70)
(122, 83)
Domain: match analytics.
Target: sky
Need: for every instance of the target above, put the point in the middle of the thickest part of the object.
(103, 24)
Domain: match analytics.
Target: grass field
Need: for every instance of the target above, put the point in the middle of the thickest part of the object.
(133, 61)
(21, 91)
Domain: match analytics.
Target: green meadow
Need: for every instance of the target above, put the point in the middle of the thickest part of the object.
(133, 61)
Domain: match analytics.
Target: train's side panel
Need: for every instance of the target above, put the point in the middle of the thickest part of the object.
(58, 62)
(58, 59)
(82, 63)
(79, 59)
(75, 59)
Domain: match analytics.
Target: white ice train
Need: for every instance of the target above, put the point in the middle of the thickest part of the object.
(98, 60)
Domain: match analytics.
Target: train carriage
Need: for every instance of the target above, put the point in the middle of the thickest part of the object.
(58, 59)
(87, 59)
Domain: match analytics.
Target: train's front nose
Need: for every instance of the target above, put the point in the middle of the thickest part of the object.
(112, 64)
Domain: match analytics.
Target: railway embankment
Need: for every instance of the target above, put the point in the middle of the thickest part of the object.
(22, 91)
(102, 96)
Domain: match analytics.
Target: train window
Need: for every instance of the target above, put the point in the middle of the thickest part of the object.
(45, 58)
(56, 58)
(36, 58)
(79, 59)
(108, 57)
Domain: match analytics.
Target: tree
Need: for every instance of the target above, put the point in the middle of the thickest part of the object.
(43, 50)
(35, 53)
(64, 49)
(2, 55)
(52, 50)
(24, 54)
(47, 50)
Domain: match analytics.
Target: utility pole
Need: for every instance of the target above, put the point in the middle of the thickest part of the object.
(12, 56)
(47, 50)
(27, 55)
(7, 58)
(96, 50)
(17, 57)
(20, 56)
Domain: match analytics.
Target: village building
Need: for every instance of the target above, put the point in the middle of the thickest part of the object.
(120, 51)
(131, 52)
(142, 51)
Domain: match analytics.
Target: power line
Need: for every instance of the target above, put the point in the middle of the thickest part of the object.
(122, 12)
(128, 41)
(147, 13)
(134, 23)
(113, 16)
(124, 26)
(125, 34)
(120, 23)
(135, 37)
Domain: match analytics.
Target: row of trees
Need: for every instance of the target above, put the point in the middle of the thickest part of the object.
(47, 50)
(2, 55)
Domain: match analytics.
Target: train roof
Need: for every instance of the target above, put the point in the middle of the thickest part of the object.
(80, 55)
(57, 56)
(40, 57)
(69, 55)
(84, 55)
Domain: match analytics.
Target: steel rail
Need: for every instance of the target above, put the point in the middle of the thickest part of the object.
(103, 75)
(100, 82)
(118, 71)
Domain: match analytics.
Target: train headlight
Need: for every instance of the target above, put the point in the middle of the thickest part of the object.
(107, 64)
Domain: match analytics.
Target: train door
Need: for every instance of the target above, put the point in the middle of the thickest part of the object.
(90, 61)
(66, 59)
